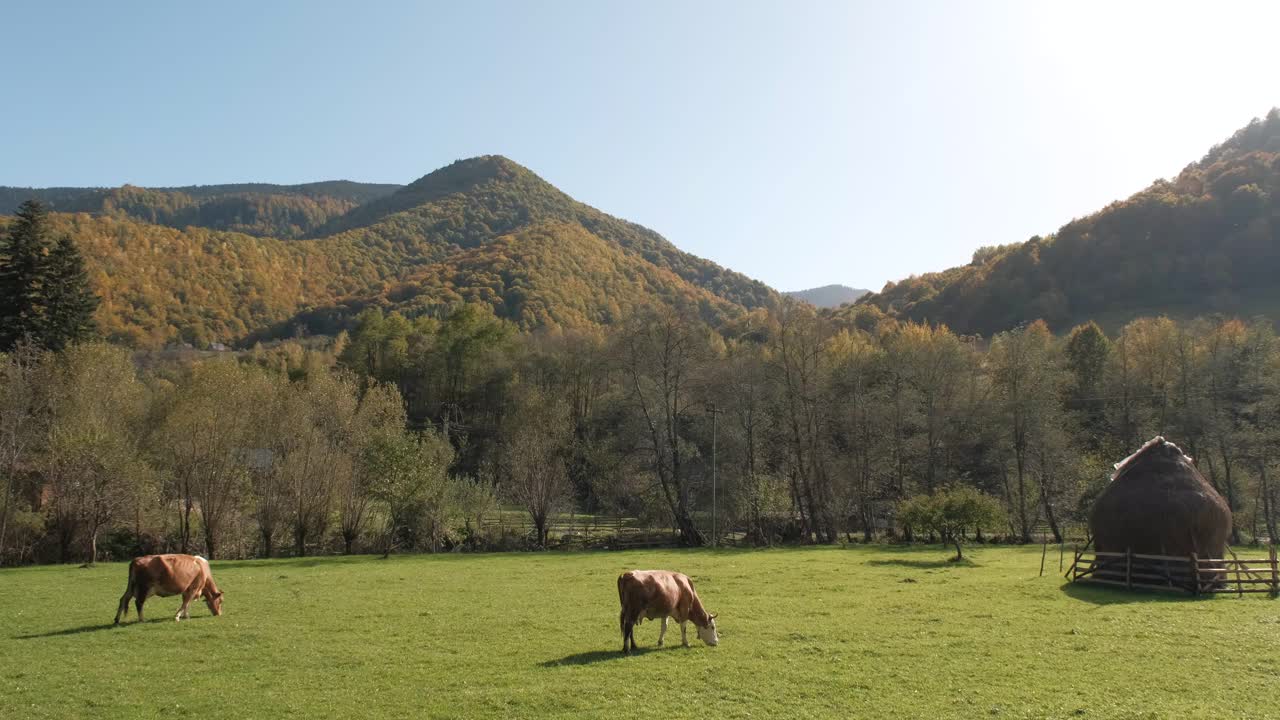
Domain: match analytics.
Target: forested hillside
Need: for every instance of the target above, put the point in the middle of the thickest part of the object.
(226, 263)
(549, 275)
(1205, 241)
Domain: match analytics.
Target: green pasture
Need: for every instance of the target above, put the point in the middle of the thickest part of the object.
(865, 632)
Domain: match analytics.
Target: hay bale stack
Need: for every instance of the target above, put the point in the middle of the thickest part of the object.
(1158, 503)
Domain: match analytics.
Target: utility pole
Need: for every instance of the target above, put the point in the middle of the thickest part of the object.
(713, 411)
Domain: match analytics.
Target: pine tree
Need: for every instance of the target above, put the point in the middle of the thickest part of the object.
(22, 263)
(69, 303)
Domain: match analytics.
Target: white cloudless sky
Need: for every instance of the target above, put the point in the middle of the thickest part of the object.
(802, 143)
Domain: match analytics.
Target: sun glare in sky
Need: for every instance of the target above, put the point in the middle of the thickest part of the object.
(800, 143)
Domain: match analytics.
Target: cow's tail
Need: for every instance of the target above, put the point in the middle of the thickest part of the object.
(627, 613)
(622, 602)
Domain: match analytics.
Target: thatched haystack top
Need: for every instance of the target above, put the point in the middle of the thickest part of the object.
(1158, 503)
(1157, 444)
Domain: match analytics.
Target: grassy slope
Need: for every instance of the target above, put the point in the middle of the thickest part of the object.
(821, 632)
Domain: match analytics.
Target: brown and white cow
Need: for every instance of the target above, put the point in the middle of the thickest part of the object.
(654, 594)
(165, 575)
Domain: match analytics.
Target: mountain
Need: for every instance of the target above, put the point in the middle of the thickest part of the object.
(473, 201)
(828, 296)
(170, 266)
(1206, 241)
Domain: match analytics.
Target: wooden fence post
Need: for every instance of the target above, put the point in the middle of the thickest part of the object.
(1239, 572)
(1195, 574)
(1128, 568)
(1275, 574)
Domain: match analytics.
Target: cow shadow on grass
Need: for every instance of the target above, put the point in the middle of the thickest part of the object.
(94, 628)
(595, 656)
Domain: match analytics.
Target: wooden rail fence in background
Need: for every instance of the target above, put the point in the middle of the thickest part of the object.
(1192, 574)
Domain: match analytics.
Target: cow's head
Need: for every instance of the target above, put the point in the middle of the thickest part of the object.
(213, 599)
(707, 633)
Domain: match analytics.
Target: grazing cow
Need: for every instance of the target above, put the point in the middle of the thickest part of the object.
(165, 575)
(662, 594)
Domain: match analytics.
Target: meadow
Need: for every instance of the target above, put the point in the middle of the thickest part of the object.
(869, 632)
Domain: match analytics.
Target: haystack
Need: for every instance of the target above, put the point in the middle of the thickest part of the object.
(1158, 503)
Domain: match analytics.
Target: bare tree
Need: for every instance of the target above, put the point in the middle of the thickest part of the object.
(661, 352)
(862, 428)
(1028, 380)
(538, 435)
(204, 442)
(801, 362)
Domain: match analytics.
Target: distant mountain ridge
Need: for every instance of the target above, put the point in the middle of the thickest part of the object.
(259, 209)
(60, 199)
(229, 263)
(828, 296)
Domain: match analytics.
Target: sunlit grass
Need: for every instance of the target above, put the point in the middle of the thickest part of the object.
(814, 632)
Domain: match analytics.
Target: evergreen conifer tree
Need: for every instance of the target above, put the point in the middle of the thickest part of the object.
(69, 303)
(23, 253)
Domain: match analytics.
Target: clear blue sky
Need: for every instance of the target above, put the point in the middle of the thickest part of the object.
(801, 143)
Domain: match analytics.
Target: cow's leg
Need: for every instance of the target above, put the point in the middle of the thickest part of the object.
(622, 625)
(192, 592)
(629, 631)
(184, 609)
(684, 634)
(123, 610)
(662, 634)
(139, 597)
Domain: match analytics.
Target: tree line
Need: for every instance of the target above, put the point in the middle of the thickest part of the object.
(410, 433)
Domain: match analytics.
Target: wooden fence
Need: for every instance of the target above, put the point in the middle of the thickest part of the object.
(1192, 574)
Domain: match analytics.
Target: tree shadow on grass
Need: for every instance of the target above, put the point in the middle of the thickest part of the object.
(94, 628)
(925, 564)
(298, 562)
(595, 656)
(1101, 595)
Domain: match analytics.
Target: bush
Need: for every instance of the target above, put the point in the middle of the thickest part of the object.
(950, 512)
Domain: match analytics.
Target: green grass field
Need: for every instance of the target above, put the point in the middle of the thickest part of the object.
(863, 632)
